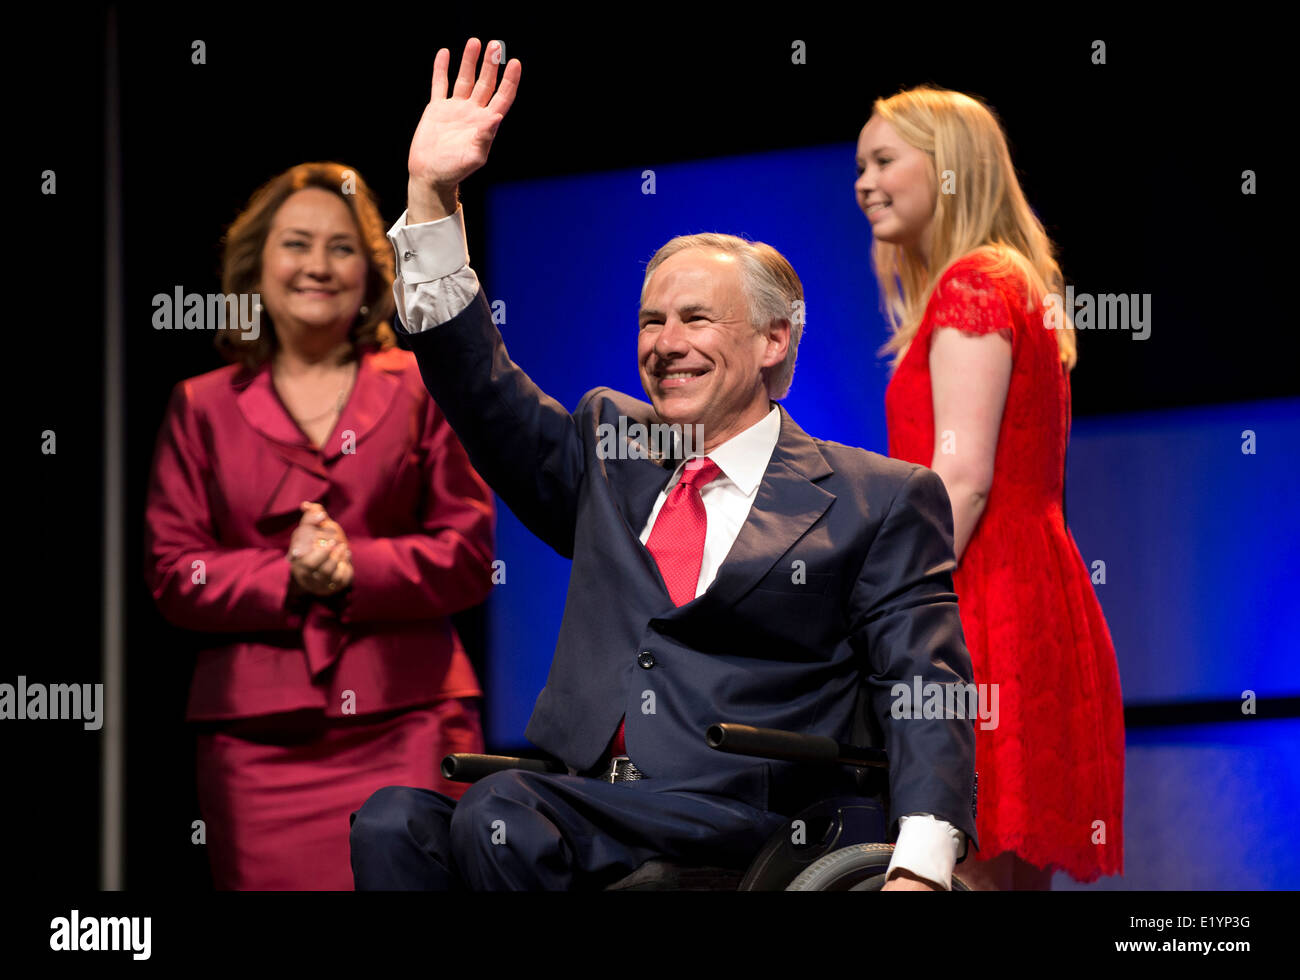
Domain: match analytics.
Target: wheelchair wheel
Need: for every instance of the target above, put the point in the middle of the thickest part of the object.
(859, 868)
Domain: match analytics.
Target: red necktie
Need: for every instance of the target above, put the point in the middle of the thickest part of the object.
(677, 543)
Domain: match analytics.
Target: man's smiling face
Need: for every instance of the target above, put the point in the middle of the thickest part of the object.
(700, 357)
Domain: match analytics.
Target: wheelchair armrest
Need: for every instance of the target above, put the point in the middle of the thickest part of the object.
(774, 743)
(469, 767)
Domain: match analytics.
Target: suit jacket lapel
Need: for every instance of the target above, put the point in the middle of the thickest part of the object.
(634, 479)
(640, 483)
(305, 475)
(637, 483)
(786, 505)
(372, 398)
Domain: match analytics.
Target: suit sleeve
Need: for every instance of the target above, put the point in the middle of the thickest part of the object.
(523, 442)
(197, 583)
(444, 568)
(906, 626)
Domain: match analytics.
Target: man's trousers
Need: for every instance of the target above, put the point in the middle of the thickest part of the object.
(517, 830)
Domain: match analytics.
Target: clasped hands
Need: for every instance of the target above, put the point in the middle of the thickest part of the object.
(320, 560)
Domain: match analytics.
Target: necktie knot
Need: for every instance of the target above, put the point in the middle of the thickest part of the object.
(698, 472)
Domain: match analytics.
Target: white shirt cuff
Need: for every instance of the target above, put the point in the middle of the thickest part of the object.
(434, 282)
(431, 249)
(928, 847)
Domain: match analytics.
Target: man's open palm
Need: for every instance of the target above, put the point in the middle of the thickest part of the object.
(456, 132)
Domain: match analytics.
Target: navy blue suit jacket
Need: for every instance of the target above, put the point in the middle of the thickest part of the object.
(763, 645)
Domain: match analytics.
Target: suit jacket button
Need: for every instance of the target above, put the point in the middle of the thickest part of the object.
(646, 660)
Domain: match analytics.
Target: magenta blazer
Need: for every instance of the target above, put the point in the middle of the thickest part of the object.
(230, 469)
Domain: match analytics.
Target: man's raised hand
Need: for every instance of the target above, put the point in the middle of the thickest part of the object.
(456, 132)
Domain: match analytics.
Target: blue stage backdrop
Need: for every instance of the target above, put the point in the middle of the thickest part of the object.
(1199, 539)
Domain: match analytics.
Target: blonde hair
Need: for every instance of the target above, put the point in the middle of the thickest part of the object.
(772, 290)
(987, 213)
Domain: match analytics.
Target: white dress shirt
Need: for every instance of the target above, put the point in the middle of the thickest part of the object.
(435, 283)
(727, 497)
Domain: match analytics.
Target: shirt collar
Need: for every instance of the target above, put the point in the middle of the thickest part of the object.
(744, 457)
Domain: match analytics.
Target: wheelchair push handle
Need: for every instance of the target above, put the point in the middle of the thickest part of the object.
(468, 767)
(773, 743)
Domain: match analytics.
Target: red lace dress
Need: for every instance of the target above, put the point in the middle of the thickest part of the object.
(1051, 773)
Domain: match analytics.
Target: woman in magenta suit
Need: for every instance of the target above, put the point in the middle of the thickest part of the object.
(311, 511)
(981, 394)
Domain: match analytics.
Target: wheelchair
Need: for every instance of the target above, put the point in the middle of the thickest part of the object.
(835, 844)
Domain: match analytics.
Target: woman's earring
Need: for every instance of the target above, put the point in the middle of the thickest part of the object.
(364, 311)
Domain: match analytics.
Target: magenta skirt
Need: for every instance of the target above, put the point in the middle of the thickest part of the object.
(275, 793)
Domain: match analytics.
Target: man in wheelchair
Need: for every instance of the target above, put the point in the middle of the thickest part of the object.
(764, 578)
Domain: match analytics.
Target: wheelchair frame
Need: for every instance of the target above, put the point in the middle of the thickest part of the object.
(835, 844)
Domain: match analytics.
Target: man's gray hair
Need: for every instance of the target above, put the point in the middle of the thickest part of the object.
(772, 290)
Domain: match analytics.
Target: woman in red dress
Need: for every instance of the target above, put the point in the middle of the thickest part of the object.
(311, 511)
(981, 394)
